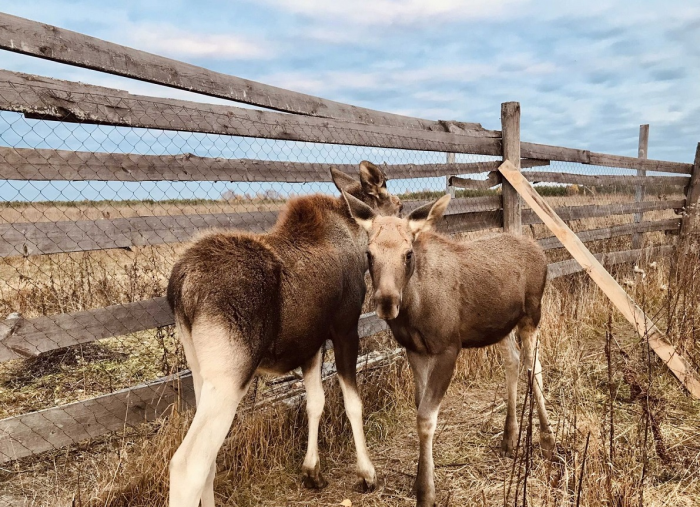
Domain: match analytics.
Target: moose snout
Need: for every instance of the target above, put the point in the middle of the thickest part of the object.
(387, 305)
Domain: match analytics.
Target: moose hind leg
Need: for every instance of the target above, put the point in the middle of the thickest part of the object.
(511, 362)
(346, 350)
(315, 400)
(528, 335)
(225, 371)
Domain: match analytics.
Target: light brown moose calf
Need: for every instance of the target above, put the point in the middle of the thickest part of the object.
(440, 296)
(267, 302)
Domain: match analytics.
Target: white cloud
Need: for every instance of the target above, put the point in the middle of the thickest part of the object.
(396, 12)
(167, 40)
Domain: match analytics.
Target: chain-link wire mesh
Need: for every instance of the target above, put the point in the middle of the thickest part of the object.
(94, 216)
(94, 213)
(607, 206)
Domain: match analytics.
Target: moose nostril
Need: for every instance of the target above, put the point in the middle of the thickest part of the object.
(387, 306)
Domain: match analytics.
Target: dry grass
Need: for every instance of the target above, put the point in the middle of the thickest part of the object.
(655, 454)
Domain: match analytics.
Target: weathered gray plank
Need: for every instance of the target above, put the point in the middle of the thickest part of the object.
(602, 210)
(45, 98)
(460, 204)
(672, 224)
(563, 268)
(493, 179)
(512, 203)
(31, 337)
(38, 238)
(57, 44)
(467, 222)
(691, 216)
(65, 165)
(60, 426)
(603, 179)
(543, 151)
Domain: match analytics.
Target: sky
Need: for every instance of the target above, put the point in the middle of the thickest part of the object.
(587, 74)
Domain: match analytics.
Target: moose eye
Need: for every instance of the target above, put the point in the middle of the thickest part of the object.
(369, 258)
(409, 255)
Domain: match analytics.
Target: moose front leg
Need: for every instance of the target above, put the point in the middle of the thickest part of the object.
(437, 370)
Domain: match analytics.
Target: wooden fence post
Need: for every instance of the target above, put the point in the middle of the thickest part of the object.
(512, 204)
(691, 218)
(449, 189)
(642, 152)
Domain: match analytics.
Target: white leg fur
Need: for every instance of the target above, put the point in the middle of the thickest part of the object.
(315, 400)
(511, 362)
(219, 387)
(353, 407)
(532, 361)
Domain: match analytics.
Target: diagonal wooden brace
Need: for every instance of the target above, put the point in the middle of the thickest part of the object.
(635, 315)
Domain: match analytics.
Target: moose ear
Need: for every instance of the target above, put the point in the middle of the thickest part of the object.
(362, 213)
(342, 181)
(372, 178)
(423, 219)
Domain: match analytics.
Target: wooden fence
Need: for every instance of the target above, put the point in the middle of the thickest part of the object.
(294, 117)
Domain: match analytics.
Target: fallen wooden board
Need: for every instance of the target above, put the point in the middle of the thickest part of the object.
(635, 315)
(60, 426)
(60, 45)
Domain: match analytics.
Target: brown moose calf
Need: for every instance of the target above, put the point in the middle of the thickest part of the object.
(440, 296)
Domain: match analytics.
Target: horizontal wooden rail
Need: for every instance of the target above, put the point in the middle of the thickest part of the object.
(60, 426)
(571, 266)
(592, 179)
(603, 210)
(460, 205)
(543, 151)
(494, 178)
(65, 165)
(463, 214)
(21, 337)
(672, 224)
(52, 99)
(57, 44)
(41, 238)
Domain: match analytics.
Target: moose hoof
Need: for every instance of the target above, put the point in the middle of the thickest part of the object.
(507, 449)
(365, 486)
(547, 444)
(312, 479)
(426, 502)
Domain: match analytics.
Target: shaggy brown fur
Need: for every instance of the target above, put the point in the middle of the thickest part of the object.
(247, 302)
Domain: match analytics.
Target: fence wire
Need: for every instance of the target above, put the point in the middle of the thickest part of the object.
(93, 218)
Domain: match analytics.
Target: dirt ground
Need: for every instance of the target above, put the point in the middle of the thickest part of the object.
(465, 453)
